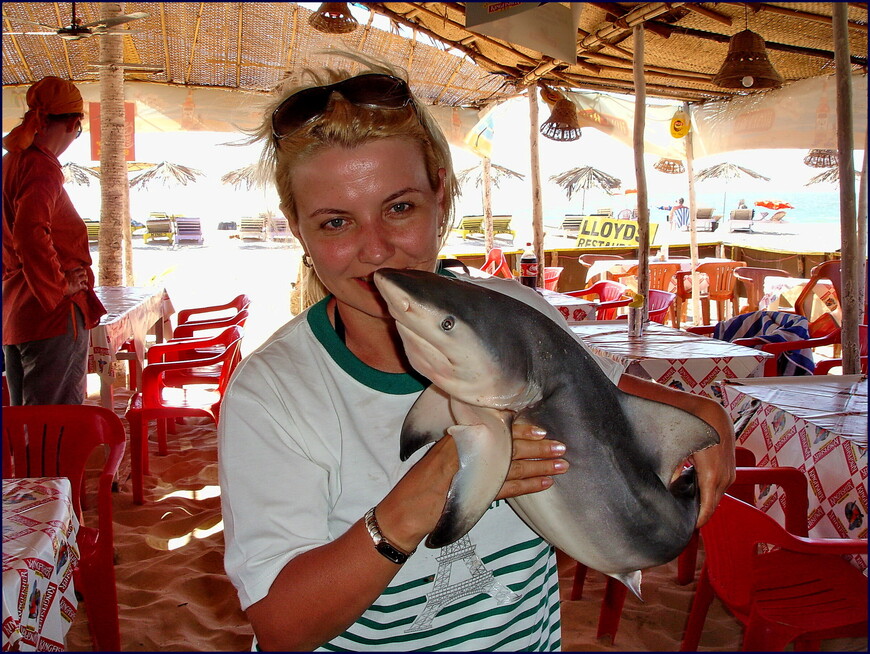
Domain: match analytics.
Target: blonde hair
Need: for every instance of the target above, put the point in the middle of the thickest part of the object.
(347, 125)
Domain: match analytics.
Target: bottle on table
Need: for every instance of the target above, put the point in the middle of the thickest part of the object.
(529, 267)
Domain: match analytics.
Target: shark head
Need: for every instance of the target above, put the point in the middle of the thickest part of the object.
(449, 339)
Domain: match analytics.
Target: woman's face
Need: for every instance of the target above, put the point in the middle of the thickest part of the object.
(365, 208)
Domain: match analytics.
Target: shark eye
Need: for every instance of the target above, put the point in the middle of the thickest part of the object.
(447, 323)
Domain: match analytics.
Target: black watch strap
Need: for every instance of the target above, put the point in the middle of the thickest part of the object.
(382, 545)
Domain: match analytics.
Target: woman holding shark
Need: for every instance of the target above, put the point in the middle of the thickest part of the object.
(322, 517)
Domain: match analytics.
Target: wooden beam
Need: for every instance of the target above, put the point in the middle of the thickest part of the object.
(166, 63)
(193, 42)
(709, 13)
(636, 16)
(771, 45)
(816, 18)
(239, 45)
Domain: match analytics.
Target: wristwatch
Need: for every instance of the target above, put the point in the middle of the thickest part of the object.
(382, 545)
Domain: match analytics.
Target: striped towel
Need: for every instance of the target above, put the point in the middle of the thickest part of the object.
(681, 217)
(773, 327)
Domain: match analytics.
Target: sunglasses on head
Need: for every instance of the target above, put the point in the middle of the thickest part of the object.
(375, 91)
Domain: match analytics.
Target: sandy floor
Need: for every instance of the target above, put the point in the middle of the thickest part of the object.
(173, 594)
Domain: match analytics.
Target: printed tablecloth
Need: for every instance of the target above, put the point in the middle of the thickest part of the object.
(673, 357)
(39, 554)
(574, 309)
(132, 311)
(819, 426)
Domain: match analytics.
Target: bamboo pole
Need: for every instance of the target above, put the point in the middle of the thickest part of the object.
(848, 223)
(488, 235)
(537, 203)
(640, 170)
(693, 232)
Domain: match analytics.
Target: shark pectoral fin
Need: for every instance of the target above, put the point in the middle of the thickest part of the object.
(632, 580)
(484, 460)
(426, 422)
(668, 433)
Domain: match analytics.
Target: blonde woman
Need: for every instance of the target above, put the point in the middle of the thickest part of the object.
(323, 522)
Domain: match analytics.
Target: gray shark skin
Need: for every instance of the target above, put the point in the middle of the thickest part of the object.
(493, 360)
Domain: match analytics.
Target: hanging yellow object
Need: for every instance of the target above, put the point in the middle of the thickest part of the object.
(680, 124)
(637, 299)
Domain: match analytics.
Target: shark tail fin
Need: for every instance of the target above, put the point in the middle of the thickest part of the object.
(632, 581)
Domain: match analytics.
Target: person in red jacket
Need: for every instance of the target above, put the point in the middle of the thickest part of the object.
(49, 302)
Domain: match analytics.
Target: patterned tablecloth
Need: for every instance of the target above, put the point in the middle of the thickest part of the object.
(132, 311)
(818, 425)
(574, 309)
(39, 554)
(671, 356)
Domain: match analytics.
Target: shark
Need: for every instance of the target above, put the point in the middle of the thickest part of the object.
(626, 502)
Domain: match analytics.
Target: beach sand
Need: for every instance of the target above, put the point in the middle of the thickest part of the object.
(172, 591)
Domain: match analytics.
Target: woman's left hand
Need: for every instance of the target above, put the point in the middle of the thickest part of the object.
(535, 460)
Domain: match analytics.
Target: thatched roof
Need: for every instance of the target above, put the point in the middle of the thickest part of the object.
(252, 46)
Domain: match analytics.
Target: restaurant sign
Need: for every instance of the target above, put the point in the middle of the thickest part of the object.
(606, 232)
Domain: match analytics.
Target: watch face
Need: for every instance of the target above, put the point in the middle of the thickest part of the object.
(391, 552)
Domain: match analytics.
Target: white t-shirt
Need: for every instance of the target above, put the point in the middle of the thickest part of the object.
(308, 442)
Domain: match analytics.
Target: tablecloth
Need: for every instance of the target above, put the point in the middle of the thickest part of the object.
(574, 309)
(39, 554)
(783, 292)
(819, 426)
(671, 356)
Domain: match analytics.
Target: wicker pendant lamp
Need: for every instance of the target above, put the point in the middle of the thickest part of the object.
(818, 158)
(333, 18)
(669, 166)
(562, 125)
(746, 66)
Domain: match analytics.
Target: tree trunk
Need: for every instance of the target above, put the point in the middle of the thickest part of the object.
(486, 180)
(537, 202)
(115, 247)
(640, 170)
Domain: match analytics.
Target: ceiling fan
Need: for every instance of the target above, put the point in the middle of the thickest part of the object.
(77, 30)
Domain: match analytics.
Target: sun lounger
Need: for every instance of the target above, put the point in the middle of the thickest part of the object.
(279, 229)
(741, 220)
(93, 230)
(705, 221)
(188, 229)
(159, 226)
(253, 228)
(571, 222)
(474, 225)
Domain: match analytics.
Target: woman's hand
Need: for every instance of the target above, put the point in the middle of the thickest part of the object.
(76, 280)
(534, 462)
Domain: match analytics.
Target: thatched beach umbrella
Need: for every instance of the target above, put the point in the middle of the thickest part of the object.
(485, 175)
(585, 178)
(828, 176)
(166, 173)
(79, 175)
(727, 172)
(249, 177)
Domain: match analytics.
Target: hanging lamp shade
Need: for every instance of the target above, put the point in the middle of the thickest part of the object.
(333, 18)
(821, 158)
(562, 125)
(669, 166)
(746, 66)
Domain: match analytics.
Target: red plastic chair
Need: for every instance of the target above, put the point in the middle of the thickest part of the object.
(801, 592)
(60, 441)
(616, 592)
(610, 295)
(160, 401)
(824, 367)
(658, 303)
(496, 264)
(222, 310)
(216, 318)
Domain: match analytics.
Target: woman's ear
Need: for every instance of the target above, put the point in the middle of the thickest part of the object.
(440, 194)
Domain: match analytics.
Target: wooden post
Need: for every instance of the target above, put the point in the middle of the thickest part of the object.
(693, 231)
(537, 202)
(640, 170)
(486, 179)
(849, 255)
